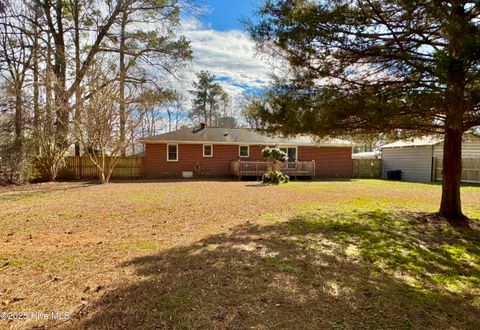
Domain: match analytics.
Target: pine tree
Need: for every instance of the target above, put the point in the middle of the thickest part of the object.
(408, 67)
(209, 100)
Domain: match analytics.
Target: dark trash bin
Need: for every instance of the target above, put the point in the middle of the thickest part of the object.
(394, 175)
(398, 175)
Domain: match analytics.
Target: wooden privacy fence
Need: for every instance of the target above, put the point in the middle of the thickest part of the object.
(84, 168)
(470, 169)
(367, 168)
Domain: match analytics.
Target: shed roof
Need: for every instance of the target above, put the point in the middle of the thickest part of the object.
(428, 141)
(220, 135)
(417, 142)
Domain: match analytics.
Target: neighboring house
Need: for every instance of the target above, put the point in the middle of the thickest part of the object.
(210, 151)
(420, 159)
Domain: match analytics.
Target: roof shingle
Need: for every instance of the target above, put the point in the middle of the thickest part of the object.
(237, 136)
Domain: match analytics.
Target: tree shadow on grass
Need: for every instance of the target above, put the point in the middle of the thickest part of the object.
(39, 189)
(343, 271)
(171, 180)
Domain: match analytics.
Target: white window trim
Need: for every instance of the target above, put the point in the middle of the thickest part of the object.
(211, 148)
(168, 146)
(291, 147)
(248, 150)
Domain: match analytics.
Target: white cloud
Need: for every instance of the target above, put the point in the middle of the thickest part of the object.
(230, 55)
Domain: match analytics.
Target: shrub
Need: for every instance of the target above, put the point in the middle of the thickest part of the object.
(17, 170)
(274, 154)
(29, 172)
(275, 177)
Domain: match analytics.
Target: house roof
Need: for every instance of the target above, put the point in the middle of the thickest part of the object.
(220, 135)
(417, 142)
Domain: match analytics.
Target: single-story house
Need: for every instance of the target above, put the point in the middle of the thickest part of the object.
(217, 152)
(420, 159)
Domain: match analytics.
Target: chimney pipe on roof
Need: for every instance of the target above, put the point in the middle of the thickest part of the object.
(202, 126)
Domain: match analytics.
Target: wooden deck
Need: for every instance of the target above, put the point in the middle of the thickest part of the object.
(257, 169)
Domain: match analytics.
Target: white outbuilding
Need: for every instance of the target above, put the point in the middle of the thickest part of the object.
(420, 160)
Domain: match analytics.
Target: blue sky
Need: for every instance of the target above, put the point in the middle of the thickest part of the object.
(224, 15)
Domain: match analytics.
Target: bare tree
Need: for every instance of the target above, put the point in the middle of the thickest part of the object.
(54, 13)
(175, 113)
(249, 104)
(156, 47)
(15, 56)
(47, 50)
(51, 154)
(163, 110)
(98, 122)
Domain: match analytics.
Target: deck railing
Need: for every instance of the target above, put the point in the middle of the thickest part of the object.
(242, 168)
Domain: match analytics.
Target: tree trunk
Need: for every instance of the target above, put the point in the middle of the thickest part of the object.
(122, 78)
(18, 120)
(36, 91)
(205, 114)
(103, 180)
(48, 92)
(78, 96)
(450, 206)
(169, 114)
(60, 69)
(52, 170)
(111, 165)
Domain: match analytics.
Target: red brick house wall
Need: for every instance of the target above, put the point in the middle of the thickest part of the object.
(330, 161)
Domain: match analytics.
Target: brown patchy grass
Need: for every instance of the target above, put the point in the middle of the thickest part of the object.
(221, 254)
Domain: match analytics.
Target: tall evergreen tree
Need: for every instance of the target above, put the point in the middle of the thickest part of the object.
(409, 67)
(210, 101)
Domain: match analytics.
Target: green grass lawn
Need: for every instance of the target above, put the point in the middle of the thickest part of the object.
(355, 254)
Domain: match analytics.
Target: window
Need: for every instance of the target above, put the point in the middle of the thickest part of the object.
(172, 153)
(291, 153)
(207, 150)
(244, 151)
